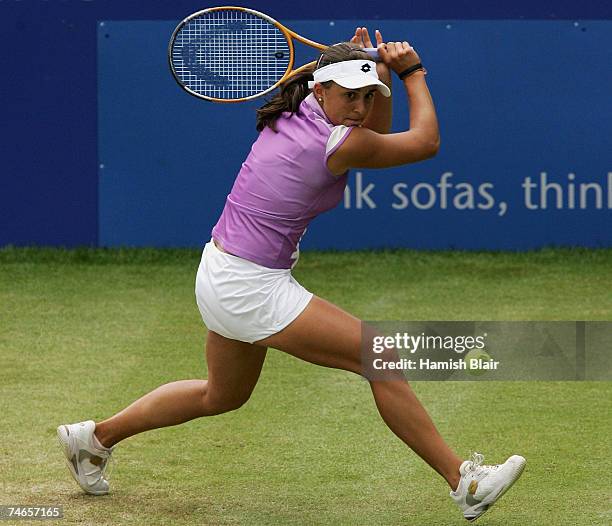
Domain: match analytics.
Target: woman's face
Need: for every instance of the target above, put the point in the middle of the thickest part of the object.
(345, 106)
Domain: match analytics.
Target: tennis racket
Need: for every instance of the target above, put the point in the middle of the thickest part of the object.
(233, 54)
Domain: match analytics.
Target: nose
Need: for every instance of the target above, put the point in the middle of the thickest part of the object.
(359, 107)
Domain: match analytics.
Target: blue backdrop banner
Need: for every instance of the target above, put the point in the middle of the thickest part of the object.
(525, 161)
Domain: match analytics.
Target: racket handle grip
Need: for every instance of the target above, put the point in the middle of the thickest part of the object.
(372, 51)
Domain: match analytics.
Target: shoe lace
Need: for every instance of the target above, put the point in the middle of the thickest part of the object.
(477, 465)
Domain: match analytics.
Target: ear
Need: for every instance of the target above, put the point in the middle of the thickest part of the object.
(318, 91)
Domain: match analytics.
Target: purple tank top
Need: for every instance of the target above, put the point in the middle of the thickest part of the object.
(283, 184)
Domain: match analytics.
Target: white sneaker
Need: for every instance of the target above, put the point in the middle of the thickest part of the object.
(87, 460)
(480, 486)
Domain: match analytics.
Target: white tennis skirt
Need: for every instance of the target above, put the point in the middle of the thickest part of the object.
(245, 301)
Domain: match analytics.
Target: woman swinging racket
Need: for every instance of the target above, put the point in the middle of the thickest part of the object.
(322, 124)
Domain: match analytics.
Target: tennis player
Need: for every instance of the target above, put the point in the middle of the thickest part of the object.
(322, 124)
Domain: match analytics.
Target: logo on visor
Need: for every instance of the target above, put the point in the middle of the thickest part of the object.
(366, 67)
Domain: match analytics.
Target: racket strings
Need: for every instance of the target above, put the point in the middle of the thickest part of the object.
(229, 54)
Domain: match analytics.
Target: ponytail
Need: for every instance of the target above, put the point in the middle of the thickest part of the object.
(292, 93)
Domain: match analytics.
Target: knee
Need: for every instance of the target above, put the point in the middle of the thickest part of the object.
(218, 404)
(231, 404)
(356, 368)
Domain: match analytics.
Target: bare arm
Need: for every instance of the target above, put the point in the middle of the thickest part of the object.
(365, 148)
(368, 149)
(379, 118)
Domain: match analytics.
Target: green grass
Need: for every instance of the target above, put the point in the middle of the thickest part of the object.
(84, 332)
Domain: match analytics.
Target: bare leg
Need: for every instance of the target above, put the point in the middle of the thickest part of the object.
(326, 335)
(233, 371)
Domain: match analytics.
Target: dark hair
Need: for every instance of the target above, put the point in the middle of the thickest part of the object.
(294, 90)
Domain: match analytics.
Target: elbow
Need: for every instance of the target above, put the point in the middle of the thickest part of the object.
(427, 143)
(431, 148)
(435, 146)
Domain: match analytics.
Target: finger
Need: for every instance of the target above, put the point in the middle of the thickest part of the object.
(358, 38)
(383, 53)
(367, 41)
(392, 49)
(379, 38)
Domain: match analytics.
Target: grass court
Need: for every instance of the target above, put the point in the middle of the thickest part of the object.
(85, 332)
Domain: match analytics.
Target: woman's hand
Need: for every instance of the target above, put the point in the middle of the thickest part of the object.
(362, 39)
(399, 56)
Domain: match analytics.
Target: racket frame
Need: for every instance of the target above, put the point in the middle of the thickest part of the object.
(287, 33)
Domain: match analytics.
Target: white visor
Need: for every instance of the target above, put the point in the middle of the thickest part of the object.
(350, 74)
